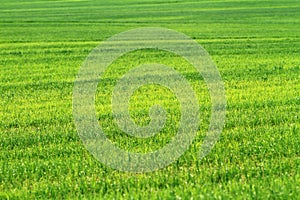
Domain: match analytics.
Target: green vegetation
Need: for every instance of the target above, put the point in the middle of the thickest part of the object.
(256, 46)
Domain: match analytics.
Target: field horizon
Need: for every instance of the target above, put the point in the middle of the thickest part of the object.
(255, 46)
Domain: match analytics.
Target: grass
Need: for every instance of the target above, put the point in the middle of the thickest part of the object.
(255, 45)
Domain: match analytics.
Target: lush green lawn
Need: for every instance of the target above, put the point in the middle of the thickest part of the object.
(256, 46)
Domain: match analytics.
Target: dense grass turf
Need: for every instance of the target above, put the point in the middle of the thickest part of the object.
(255, 45)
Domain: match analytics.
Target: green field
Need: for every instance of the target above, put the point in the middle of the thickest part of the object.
(256, 47)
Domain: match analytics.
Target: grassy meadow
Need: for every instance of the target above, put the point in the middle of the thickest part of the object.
(256, 47)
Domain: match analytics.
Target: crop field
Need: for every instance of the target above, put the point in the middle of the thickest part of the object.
(254, 44)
